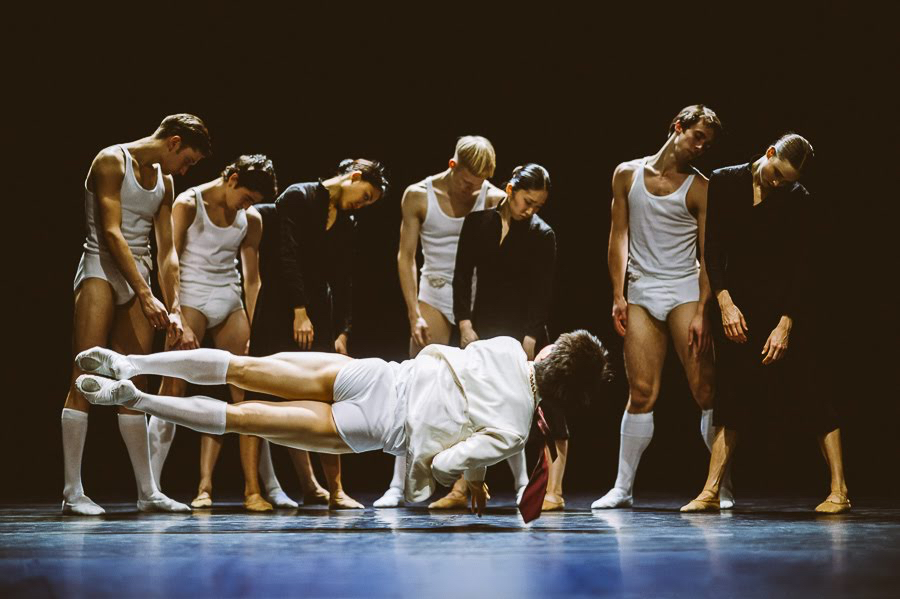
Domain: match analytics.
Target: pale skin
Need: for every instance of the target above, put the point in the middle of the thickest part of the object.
(130, 327)
(457, 191)
(646, 338)
(769, 173)
(222, 199)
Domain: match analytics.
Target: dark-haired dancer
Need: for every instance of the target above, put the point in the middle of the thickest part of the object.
(514, 252)
(757, 253)
(433, 214)
(212, 223)
(128, 191)
(306, 261)
(658, 215)
(341, 405)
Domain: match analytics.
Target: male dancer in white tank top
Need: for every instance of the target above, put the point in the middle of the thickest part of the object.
(433, 212)
(658, 215)
(212, 223)
(128, 190)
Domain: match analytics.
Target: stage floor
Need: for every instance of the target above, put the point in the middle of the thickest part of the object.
(765, 548)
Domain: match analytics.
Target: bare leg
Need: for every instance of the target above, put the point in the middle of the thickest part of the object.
(645, 351)
(553, 499)
(313, 493)
(439, 328)
(338, 499)
(837, 501)
(94, 309)
(700, 374)
(720, 458)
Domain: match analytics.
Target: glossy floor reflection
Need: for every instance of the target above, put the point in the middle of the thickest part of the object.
(766, 548)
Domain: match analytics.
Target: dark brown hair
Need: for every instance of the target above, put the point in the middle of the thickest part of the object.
(693, 114)
(795, 149)
(256, 173)
(574, 370)
(372, 172)
(189, 128)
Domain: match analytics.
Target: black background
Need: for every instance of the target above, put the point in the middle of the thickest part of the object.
(575, 89)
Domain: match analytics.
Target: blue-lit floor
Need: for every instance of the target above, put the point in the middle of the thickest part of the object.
(765, 548)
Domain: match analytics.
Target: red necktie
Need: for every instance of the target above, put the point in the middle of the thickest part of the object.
(533, 497)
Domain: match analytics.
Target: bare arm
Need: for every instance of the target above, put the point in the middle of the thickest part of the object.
(413, 210)
(617, 254)
(107, 174)
(167, 260)
(250, 260)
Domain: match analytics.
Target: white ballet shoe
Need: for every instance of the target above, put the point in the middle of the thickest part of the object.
(279, 498)
(106, 392)
(393, 497)
(615, 498)
(81, 506)
(162, 503)
(105, 362)
(519, 493)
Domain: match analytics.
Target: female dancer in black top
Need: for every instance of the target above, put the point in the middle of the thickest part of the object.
(757, 258)
(514, 253)
(305, 263)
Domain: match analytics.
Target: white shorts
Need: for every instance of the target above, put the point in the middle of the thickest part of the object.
(215, 303)
(438, 293)
(661, 296)
(103, 266)
(367, 409)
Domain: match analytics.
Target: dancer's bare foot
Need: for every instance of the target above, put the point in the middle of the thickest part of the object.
(707, 501)
(202, 500)
(341, 501)
(553, 503)
(255, 503)
(836, 503)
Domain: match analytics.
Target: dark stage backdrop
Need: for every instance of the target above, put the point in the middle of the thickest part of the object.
(577, 93)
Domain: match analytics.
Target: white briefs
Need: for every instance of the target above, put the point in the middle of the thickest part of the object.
(369, 408)
(216, 303)
(661, 296)
(437, 293)
(103, 266)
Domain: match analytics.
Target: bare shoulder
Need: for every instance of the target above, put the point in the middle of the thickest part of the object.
(699, 186)
(186, 200)
(254, 217)
(624, 172)
(494, 196)
(414, 199)
(109, 161)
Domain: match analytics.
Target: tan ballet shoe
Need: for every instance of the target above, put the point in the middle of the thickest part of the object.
(256, 503)
(453, 500)
(202, 500)
(709, 504)
(553, 503)
(342, 501)
(318, 496)
(834, 504)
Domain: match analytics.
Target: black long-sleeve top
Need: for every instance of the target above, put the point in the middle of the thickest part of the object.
(514, 279)
(313, 259)
(760, 254)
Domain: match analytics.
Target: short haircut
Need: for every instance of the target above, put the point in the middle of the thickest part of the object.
(371, 171)
(574, 370)
(795, 149)
(256, 173)
(693, 114)
(476, 154)
(189, 128)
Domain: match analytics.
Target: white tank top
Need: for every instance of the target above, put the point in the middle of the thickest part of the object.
(662, 233)
(139, 206)
(209, 256)
(440, 235)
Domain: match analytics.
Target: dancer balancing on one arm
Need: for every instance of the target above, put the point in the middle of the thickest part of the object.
(757, 253)
(306, 266)
(212, 223)
(658, 215)
(514, 253)
(453, 412)
(128, 191)
(433, 214)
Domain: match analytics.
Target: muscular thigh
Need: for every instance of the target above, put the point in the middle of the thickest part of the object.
(290, 375)
(645, 351)
(439, 328)
(132, 334)
(94, 313)
(697, 368)
(232, 336)
(300, 424)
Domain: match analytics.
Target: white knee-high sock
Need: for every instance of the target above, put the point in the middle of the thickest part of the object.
(74, 433)
(636, 433)
(133, 428)
(161, 433)
(200, 413)
(398, 480)
(202, 366)
(519, 471)
(267, 468)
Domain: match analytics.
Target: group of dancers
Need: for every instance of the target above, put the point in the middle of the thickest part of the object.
(446, 414)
